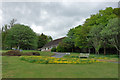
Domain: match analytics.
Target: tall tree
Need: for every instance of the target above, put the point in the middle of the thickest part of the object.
(22, 36)
(112, 33)
(81, 34)
(5, 30)
(95, 37)
(12, 22)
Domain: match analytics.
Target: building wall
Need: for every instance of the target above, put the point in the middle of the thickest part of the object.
(48, 48)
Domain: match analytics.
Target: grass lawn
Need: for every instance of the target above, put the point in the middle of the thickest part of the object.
(13, 67)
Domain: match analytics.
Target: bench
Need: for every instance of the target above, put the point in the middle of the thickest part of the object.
(68, 53)
(84, 55)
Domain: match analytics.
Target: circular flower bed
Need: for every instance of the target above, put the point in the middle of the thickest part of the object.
(53, 60)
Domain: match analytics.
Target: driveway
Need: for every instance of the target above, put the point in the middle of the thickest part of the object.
(58, 55)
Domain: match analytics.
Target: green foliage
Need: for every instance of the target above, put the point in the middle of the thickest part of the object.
(116, 11)
(53, 49)
(81, 36)
(43, 39)
(95, 37)
(112, 32)
(61, 47)
(22, 36)
(89, 34)
(65, 46)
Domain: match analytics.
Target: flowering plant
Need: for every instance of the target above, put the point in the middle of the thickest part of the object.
(53, 60)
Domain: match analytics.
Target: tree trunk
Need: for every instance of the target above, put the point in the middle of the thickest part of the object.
(72, 49)
(11, 47)
(98, 52)
(89, 50)
(119, 53)
(95, 51)
(18, 47)
(104, 50)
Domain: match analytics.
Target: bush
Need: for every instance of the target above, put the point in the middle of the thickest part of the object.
(32, 54)
(12, 53)
(60, 48)
(36, 53)
(53, 49)
(18, 53)
(74, 56)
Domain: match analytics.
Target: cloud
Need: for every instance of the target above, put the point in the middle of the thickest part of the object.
(51, 18)
(37, 29)
(0, 18)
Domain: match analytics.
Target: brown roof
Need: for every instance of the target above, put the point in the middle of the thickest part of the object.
(54, 42)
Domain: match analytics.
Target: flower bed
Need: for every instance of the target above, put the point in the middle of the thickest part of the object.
(53, 60)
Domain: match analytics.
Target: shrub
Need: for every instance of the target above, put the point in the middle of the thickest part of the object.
(53, 49)
(74, 56)
(36, 53)
(12, 53)
(32, 54)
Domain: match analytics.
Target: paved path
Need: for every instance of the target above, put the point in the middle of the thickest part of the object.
(58, 55)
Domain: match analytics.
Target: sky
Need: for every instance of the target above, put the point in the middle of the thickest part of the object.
(51, 18)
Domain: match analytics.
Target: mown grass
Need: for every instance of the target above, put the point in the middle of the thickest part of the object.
(13, 67)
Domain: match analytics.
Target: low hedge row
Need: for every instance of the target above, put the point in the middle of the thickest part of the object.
(18, 53)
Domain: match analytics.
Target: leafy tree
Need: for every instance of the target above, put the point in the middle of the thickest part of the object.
(70, 39)
(43, 39)
(95, 37)
(116, 11)
(112, 33)
(61, 47)
(4, 32)
(12, 23)
(22, 36)
(81, 36)
(53, 49)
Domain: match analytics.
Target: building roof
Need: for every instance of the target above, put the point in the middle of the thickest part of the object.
(54, 42)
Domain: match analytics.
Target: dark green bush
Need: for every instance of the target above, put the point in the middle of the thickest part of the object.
(31, 54)
(53, 49)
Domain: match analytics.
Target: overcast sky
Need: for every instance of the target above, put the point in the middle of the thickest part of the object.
(51, 18)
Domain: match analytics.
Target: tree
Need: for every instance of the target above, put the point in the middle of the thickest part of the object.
(12, 23)
(95, 37)
(70, 39)
(53, 49)
(4, 32)
(81, 34)
(112, 33)
(62, 47)
(43, 39)
(21, 36)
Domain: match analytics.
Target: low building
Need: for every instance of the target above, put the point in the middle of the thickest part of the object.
(51, 44)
